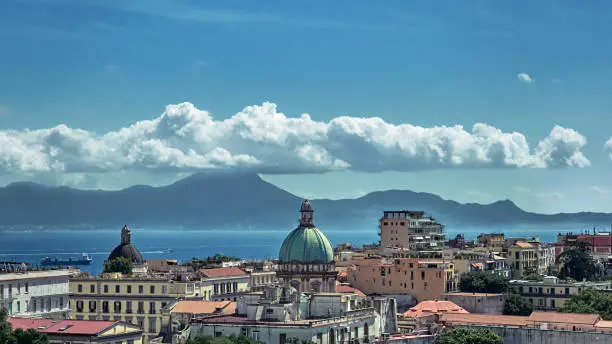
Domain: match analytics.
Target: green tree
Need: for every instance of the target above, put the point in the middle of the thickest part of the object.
(590, 301)
(482, 282)
(469, 336)
(8, 336)
(119, 264)
(516, 305)
(577, 263)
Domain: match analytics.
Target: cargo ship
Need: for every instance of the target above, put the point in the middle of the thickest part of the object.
(85, 259)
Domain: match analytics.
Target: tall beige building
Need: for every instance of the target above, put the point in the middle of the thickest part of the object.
(410, 230)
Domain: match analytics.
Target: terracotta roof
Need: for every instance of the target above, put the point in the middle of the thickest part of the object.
(426, 308)
(564, 318)
(223, 272)
(604, 324)
(480, 265)
(51, 326)
(205, 307)
(484, 319)
(523, 244)
(347, 289)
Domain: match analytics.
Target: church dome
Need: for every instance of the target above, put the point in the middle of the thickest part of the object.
(306, 244)
(126, 249)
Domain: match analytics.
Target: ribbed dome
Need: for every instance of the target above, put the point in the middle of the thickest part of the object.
(306, 245)
(126, 249)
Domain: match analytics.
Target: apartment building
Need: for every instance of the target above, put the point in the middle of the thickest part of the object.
(140, 301)
(523, 258)
(551, 293)
(423, 279)
(219, 284)
(42, 294)
(410, 230)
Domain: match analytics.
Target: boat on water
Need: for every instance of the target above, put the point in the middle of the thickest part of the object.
(84, 259)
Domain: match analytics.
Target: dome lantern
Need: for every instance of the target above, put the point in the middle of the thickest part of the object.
(306, 214)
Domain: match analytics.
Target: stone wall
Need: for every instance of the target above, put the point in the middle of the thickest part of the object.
(515, 335)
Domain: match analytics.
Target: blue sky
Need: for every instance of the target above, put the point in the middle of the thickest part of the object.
(104, 65)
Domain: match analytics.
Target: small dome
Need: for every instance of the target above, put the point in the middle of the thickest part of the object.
(306, 245)
(126, 249)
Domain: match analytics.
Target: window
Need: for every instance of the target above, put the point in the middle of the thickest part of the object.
(61, 302)
(18, 288)
(140, 307)
(152, 307)
(79, 306)
(92, 288)
(92, 306)
(140, 289)
(104, 306)
(27, 288)
(34, 305)
(164, 289)
(129, 289)
(105, 288)
(1, 291)
(422, 275)
(80, 288)
(117, 307)
(152, 289)
(152, 325)
(117, 289)
(128, 307)
(18, 306)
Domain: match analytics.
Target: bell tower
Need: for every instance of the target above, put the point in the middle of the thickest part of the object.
(306, 214)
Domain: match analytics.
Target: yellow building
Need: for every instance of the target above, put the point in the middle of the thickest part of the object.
(219, 284)
(81, 331)
(523, 258)
(140, 301)
(423, 279)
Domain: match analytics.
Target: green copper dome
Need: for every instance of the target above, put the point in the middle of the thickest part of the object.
(306, 244)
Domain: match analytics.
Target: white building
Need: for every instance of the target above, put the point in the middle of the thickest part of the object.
(546, 258)
(410, 230)
(35, 293)
(280, 314)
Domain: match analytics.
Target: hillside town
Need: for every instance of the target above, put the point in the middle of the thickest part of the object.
(413, 286)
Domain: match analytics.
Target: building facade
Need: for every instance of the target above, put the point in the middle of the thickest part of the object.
(42, 294)
(410, 230)
(421, 278)
(143, 302)
(523, 258)
(551, 293)
(219, 284)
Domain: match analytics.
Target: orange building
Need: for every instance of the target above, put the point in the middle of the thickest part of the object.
(421, 278)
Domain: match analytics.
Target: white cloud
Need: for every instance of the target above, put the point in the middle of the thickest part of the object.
(261, 139)
(602, 191)
(540, 195)
(526, 78)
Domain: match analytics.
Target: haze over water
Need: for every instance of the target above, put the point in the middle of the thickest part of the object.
(31, 246)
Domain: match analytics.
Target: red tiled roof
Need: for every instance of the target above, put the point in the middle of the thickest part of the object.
(223, 272)
(347, 289)
(484, 319)
(205, 307)
(478, 265)
(523, 244)
(426, 308)
(50, 326)
(564, 318)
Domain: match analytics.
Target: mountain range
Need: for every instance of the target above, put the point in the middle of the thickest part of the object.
(245, 201)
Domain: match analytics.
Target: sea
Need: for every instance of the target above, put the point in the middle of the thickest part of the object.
(32, 245)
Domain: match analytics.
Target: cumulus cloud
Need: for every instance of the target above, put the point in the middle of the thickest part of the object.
(526, 78)
(261, 139)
